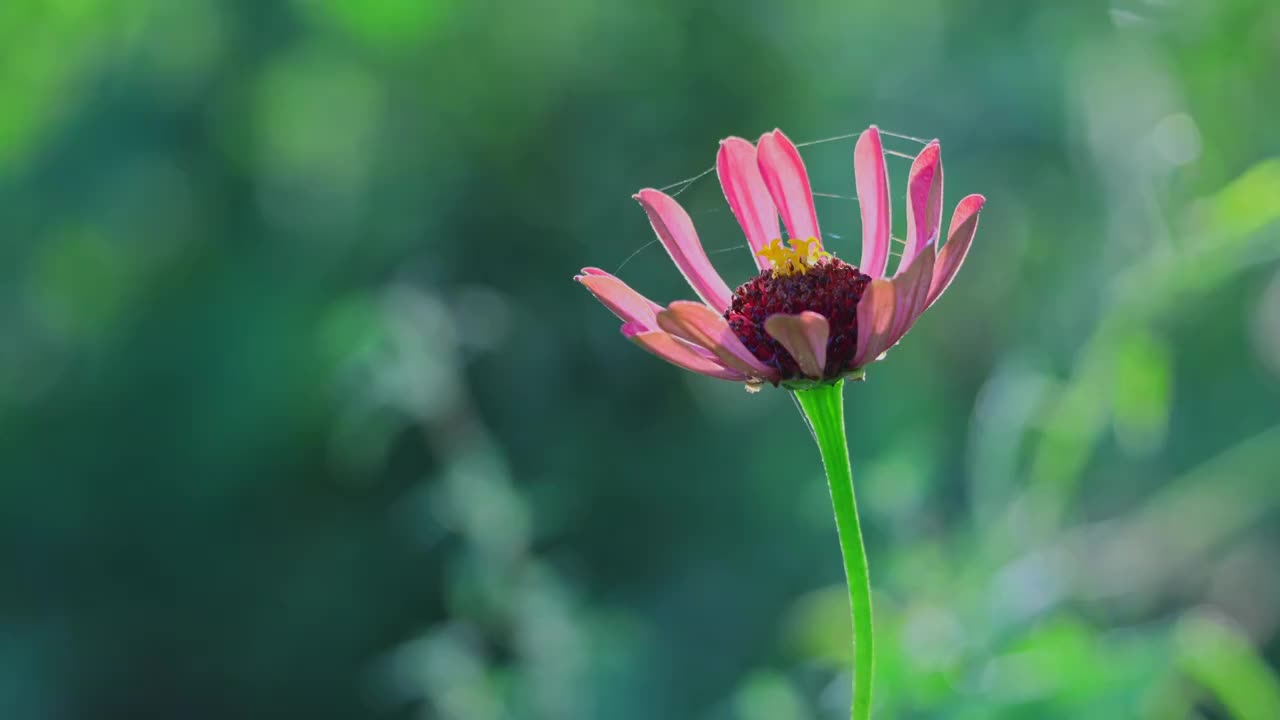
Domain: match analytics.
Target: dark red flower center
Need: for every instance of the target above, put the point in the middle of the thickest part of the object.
(829, 287)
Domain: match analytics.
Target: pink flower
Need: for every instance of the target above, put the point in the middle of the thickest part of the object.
(808, 317)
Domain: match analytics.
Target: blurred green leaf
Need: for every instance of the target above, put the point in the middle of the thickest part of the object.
(1224, 661)
(1142, 387)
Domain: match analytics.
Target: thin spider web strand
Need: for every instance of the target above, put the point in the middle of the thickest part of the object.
(686, 183)
(744, 246)
(630, 257)
(912, 138)
(890, 133)
(689, 182)
(830, 139)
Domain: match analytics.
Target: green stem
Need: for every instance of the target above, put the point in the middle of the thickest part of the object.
(823, 407)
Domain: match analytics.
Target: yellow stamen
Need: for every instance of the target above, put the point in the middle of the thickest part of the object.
(802, 255)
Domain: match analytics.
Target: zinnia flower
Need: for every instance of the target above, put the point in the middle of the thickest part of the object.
(808, 318)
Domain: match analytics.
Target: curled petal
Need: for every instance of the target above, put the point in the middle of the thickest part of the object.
(744, 188)
(678, 352)
(703, 326)
(629, 305)
(675, 230)
(964, 223)
(788, 184)
(875, 320)
(872, 178)
(910, 290)
(924, 203)
(805, 337)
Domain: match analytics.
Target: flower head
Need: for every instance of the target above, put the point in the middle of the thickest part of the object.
(807, 317)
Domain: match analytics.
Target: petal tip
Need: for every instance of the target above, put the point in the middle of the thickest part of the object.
(631, 329)
(644, 194)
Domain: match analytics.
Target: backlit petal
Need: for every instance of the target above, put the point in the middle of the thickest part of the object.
(805, 337)
(875, 320)
(788, 184)
(678, 352)
(629, 305)
(872, 178)
(703, 326)
(744, 188)
(964, 223)
(675, 230)
(911, 289)
(924, 203)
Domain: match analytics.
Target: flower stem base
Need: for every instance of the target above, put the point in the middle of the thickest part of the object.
(823, 408)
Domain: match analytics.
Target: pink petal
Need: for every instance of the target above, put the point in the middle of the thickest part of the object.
(872, 178)
(788, 183)
(629, 305)
(924, 203)
(805, 337)
(703, 326)
(748, 197)
(875, 320)
(678, 352)
(910, 290)
(675, 230)
(964, 223)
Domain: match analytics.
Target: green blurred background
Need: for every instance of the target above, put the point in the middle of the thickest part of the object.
(301, 414)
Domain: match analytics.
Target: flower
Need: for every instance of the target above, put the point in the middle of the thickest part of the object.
(808, 318)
